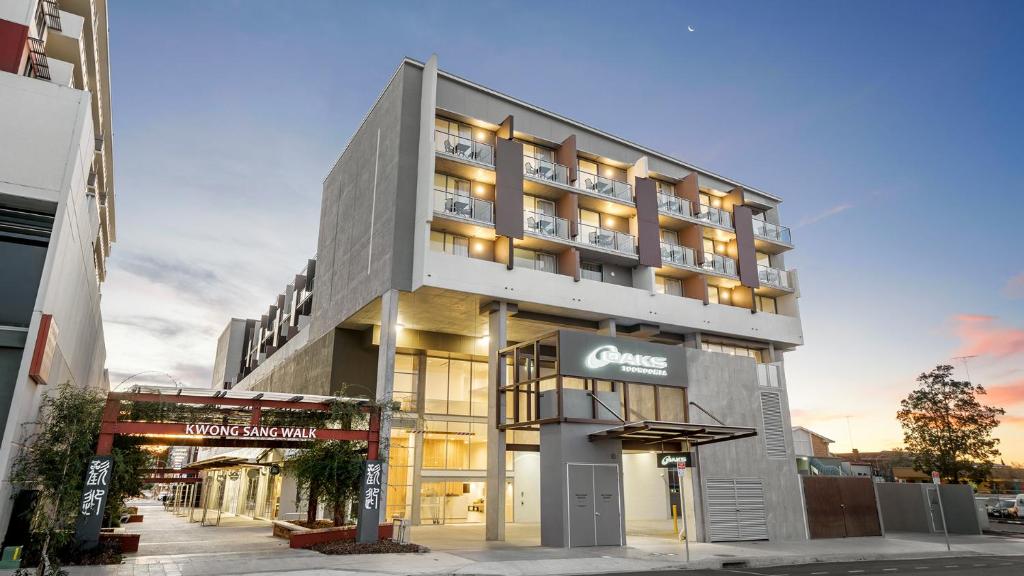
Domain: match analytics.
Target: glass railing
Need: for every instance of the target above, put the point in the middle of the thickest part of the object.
(676, 254)
(718, 263)
(770, 231)
(463, 206)
(604, 186)
(545, 225)
(773, 276)
(465, 148)
(715, 216)
(673, 204)
(607, 239)
(544, 170)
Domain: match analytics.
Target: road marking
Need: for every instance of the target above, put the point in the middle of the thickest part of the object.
(979, 565)
(819, 572)
(889, 569)
(920, 567)
(951, 566)
(854, 571)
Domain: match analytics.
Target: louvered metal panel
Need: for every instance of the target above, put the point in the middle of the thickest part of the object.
(735, 509)
(774, 432)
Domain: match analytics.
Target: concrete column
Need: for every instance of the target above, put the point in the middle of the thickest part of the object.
(417, 482)
(386, 382)
(606, 327)
(424, 171)
(495, 500)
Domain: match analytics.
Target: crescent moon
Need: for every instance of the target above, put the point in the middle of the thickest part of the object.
(690, 28)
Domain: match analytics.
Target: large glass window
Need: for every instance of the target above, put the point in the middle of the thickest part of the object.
(449, 243)
(538, 205)
(406, 376)
(523, 258)
(538, 152)
(713, 295)
(400, 473)
(455, 386)
(671, 286)
(671, 404)
(641, 402)
(478, 392)
(459, 378)
(435, 394)
(452, 184)
(765, 304)
(735, 350)
(455, 445)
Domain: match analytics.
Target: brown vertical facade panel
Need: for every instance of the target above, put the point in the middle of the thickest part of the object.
(824, 507)
(696, 287)
(568, 207)
(508, 189)
(693, 237)
(647, 228)
(569, 263)
(505, 130)
(566, 156)
(733, 198)
(746, 259)
(503, 251)
(743, 297)
(13, 38)
(687, 188)
(861, 510)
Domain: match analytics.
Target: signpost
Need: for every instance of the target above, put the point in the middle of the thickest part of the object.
(942, 513)
(369, 502)
(93, 502)
(680, 468)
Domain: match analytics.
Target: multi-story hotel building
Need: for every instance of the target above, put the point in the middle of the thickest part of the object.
(554, 310)
(56, 209)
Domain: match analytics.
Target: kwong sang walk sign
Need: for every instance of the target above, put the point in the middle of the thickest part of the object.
(369, 501)
(93, 502)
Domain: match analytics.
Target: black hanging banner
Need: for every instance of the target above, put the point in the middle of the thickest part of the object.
(93, 502)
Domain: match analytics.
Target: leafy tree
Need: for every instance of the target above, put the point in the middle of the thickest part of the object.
(125, 482)
(946, 428)
(328, 472)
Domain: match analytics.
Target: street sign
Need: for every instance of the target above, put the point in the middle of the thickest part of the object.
(935, 478)
(93, 502)
(369, 501)
(681, 465)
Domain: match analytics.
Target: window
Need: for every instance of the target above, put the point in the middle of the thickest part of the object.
(671, 404)
(765, 304)
(538, 152)
(763, 259)
(641, 402)
(449, 243)
(670, 286)
(712, 246)
(713, 295)
(735, 350)
(455, 386)
(591, 271)
(463, 130)
(406, 376)
(670, 236)
(666, 188)
(590, 218)
(452, 184)
(588, 166)
(538, 205)
(523, 258)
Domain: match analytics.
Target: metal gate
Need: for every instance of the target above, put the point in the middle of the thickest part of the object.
(840, 507)
(735, 509)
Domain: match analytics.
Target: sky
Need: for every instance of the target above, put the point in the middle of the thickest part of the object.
(890, 129)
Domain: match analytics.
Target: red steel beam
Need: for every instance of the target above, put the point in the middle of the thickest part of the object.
(170, 428)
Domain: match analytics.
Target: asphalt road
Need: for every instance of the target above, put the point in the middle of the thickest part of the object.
(964, 566)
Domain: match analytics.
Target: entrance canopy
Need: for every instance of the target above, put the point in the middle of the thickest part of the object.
(654, 432)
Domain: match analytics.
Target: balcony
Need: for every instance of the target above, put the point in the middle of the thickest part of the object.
(715, 216)
(773, 277)
(677, 255)
(544, 170)
(604, 186)
(606, 239)
(463, 148)
(463, 207)
(719, 264)
(772, 232)
(674, 205)
(546, 225)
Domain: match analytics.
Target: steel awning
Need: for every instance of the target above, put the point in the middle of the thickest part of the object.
(654, 432)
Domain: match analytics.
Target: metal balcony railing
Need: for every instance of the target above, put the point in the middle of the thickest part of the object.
(715, 216)
(48, 16)
(674, 205)
(718, 263)
(545, 225)
(604, 186)
(773, 277)
(37, 66)
(545, 170)
(678, 255)
(607, 239)
(773, 232)
(464, 148)
(463, 206)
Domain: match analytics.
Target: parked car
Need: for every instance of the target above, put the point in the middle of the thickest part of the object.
(1004, 509)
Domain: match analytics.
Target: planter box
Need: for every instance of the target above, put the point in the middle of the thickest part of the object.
(129, 542)
(135, 518)
(299, 537)
(131, 510)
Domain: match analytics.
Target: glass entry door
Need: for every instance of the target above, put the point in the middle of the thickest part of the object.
(452, 502)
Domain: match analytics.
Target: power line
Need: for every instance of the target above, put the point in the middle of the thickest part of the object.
(964, 359)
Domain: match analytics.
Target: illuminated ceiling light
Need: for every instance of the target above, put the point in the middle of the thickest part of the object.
(399, 327)
(720, 248)
(479, 190)
(480, 135)
(478, 247)
(609, 221)
(716, 202)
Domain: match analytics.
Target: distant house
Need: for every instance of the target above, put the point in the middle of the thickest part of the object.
(812, 454)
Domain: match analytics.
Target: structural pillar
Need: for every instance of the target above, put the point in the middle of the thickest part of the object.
(495, 497)
(606, 327)
(386, 384)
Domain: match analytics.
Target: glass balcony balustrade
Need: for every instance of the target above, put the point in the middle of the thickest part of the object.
(545, 225)
(773, 232)
(715, 216)
(719, 264)
(545, 170)
(674, 205)
(678, 255)
(607, 239)
(773, 277)
(604, 186)
(463, 148)
(463, 206)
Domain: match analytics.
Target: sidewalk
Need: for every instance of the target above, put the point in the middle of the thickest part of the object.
(173, 547)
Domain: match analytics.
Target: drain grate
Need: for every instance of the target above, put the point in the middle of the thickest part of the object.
(734, 564)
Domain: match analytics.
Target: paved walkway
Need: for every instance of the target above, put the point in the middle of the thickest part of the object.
(172, 546)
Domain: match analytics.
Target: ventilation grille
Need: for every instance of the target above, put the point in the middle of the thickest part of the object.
(774, 435)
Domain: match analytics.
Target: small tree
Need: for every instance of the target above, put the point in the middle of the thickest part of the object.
(54, 461)
(946, 428)
(328, 472)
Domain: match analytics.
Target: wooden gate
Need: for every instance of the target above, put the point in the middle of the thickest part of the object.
(839, 507)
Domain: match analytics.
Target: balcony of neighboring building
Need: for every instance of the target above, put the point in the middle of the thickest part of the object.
(773, 281)
(543, 176)
(466, 206)
(603, 185)
(769, 237)
(464, 150)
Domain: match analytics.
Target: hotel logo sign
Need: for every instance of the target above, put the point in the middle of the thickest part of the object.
(627, 361)
(260, 432)
(673, 459)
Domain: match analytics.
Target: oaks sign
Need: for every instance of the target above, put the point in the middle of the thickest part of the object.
(261, 432)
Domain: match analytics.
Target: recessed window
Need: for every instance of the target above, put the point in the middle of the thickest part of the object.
(765, 304)
(523, 258)
(670, 286)
(713, 295)
(591, 271)
(449, 243)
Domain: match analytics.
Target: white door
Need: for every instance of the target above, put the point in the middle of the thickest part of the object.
(735, 509)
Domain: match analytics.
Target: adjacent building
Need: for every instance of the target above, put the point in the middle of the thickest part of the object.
(57, 216)
(560, 317)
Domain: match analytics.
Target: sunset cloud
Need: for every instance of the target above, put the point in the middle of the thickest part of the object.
(981, 336)
(1005, 394)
